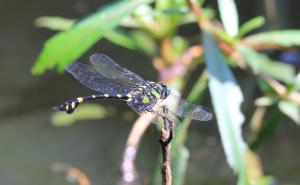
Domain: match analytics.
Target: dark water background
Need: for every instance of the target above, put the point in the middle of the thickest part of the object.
(30, 145)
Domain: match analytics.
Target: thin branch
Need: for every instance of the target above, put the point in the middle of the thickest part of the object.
(166, 136)
(73, 174)
(282, 91)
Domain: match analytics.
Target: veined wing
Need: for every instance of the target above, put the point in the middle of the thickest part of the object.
(182, 108)
(111, 70)
(157, 114)
(95, 81)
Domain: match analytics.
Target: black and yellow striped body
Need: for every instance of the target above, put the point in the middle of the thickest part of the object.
(141, 98)
(71, 105)
(145, 96)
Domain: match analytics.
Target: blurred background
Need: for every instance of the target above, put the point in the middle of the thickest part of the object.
(35, 151)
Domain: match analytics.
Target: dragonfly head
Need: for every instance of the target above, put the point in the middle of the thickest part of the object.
(166, 91)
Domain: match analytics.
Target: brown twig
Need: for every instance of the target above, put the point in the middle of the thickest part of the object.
(166, 136)
(271, 14)
(282, 91)
(73, 173)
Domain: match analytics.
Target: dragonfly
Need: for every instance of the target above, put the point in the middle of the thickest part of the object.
(112, 81)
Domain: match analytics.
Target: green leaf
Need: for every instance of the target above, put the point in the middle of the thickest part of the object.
(284, 38)
(83, 112)
(297, 82)
(291, 109)
(129, 22)
(265, 180)
(250, 25)
(269, 126)
(68, 46)
(168, 22)
(229, 16)
(197, 91)
(135, 40)
(262, 65)
(179, 165)
(264, 101)
(223, 87)
(179, 45)
(266, 87)
(144, 42)
(121, 38)
(54, 23)
(175, 10)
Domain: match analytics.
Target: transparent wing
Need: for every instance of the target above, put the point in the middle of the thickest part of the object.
(95, 81)
(157, 114)
(182, 108)
(111, 70)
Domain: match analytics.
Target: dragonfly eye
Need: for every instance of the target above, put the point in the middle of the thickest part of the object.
(166, 91)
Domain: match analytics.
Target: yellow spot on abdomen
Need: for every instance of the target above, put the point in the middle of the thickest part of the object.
(73, 105)
(146, 100)
(155, 94)
(94, 96)
(80, 99)
(119, 95)
(106, 95)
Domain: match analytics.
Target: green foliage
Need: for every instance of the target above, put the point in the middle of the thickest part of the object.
(269, 126)
(266, 180)
(264, 101)
(198, 88)
(135, 40)
(223, 87)
(297, 82)
(250, 25)
(69, 45)
(262, 65)
(284, 38)
(291, 109)
(54, 23)
(180, 165)
(229, 16)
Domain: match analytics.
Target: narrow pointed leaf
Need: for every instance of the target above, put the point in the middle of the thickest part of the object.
(226, 98)
(290, 109)
(121, 38)
(262, 65)
(297, 82)
(229, 16)
(54, 23)
(69, 45)
(180, 163)
(284, 38)
(250, 25)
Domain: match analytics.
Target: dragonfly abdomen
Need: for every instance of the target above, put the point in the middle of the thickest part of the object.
(71, 105)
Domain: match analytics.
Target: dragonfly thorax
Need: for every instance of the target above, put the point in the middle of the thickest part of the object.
(145, 96)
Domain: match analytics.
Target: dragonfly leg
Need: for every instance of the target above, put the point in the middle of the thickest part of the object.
(149, 108)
